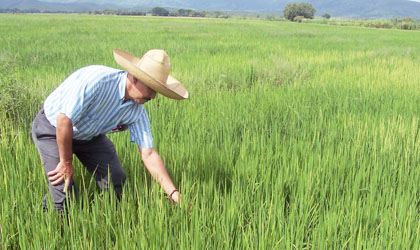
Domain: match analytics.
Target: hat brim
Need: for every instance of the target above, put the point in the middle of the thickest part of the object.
(172, 88)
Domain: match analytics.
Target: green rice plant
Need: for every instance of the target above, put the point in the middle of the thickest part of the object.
(11, 101)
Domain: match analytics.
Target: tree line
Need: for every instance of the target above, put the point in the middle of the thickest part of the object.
(160, 11)
(296, 12)
(157, 11)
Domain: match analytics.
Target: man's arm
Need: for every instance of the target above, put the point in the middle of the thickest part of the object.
(156, 168)
(64, 170)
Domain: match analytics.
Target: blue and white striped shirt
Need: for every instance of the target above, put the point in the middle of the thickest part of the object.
(93, 98)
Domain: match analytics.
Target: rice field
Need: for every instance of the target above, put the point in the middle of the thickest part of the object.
(295, 136)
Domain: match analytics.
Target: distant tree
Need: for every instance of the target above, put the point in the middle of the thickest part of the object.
(109, 12)
(217, 14)
(410, 20)
(32, 10)
(95, 12)
(198, 14)
(293, 10)
(182, 12)
(326, 16)
(159, 11)
(131, 13)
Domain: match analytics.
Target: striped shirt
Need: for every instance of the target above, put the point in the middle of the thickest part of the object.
(93, 98)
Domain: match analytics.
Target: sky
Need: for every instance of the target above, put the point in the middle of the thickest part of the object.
(129, 1)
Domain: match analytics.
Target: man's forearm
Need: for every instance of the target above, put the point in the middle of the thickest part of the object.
(64, 170)
(64, 133)
(156, 168)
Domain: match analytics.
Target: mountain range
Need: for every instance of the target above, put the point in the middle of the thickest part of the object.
(337, 8)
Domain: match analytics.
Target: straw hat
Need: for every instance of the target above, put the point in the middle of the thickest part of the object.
(153, 70)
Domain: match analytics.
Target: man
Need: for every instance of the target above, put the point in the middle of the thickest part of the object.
(96, 100)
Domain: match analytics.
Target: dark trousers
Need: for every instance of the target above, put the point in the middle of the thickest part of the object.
(97, 155)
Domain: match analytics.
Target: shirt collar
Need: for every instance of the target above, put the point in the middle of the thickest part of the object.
(122, 85)
(121, 89)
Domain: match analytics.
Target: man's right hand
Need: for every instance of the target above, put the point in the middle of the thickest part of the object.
(63, 171)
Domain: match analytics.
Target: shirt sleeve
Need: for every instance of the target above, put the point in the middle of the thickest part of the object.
(140, 131)
(78, 96)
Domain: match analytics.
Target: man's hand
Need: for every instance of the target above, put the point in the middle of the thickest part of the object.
(63, 171)
(154, 165)
(177, 199)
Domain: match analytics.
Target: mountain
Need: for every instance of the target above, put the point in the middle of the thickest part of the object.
(55, 6)
(368, 8)
(337, 8)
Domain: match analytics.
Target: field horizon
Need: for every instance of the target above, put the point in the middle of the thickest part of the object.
(295, 136)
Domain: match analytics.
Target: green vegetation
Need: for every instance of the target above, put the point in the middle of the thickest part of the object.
(295, 136)
(159, 11)
(194, 13)
(298, 11)
(302, 13)
(393, 23)
(326, 16)
(118, 12)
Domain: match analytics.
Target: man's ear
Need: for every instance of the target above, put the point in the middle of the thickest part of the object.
(132, 79)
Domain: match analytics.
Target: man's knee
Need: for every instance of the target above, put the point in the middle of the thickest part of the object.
(61, 200)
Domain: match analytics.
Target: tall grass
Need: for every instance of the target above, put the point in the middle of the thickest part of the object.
(295, 136)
